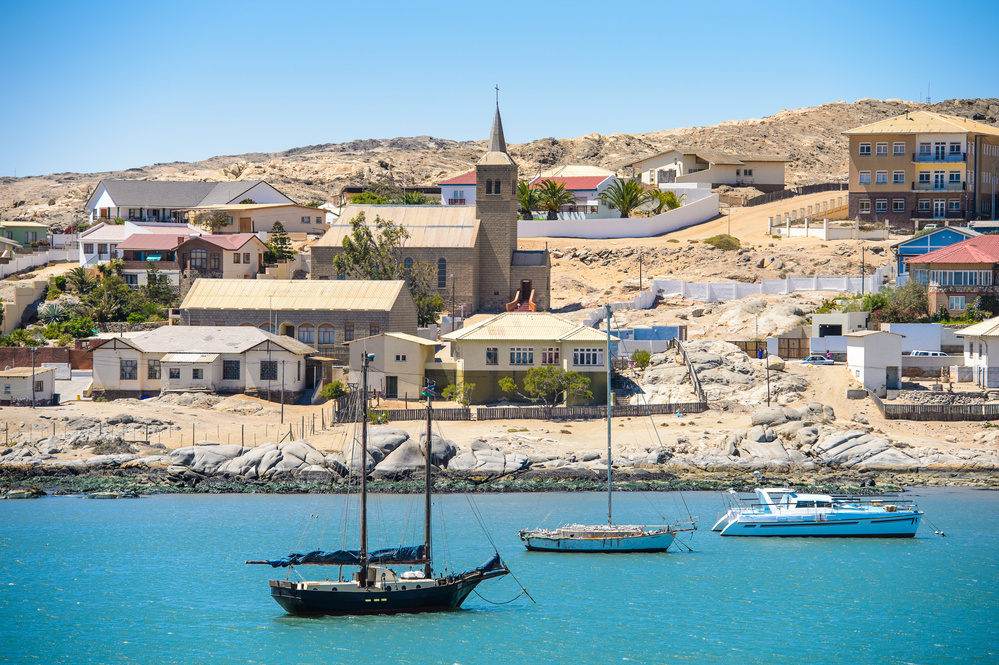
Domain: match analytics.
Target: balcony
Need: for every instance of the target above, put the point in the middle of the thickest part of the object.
(456, 202)
(938, 187)
(162, 266)
(949, 158)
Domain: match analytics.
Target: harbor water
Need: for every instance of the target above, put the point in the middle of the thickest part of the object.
(162, 580)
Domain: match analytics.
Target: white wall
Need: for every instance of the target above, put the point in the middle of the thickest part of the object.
(264, 193)
(21, 262)
(918, 336)
(830, 344)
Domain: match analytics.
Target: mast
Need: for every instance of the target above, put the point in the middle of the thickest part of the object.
(362, 576)
(428, 569)
(609, 458)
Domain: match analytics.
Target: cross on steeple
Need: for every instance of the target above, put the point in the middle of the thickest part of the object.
(497, 94)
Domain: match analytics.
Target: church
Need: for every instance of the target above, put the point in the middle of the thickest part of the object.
(473, 248)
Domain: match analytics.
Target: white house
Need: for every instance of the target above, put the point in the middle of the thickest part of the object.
(100, 243)
(242, 359)
(981, 352)
(874, 358)
(586, 183)
(20, 385)
(459, 191)
(397, 370)
(161, 200)
(764, 172)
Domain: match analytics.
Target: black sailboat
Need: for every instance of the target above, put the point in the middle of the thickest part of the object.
(376, 588)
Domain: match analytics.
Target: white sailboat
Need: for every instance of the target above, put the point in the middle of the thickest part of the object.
(608, 537)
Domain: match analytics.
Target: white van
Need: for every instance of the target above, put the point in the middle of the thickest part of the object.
(935, 354)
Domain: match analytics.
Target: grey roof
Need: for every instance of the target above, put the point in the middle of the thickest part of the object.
(497, 153)
(212, 339)
(173, 193)
(529, 258)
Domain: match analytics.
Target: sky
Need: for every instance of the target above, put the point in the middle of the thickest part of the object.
(97, 86)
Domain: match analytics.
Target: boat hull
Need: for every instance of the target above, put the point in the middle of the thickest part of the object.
(405, 596)
(882, 525)
(651, 542)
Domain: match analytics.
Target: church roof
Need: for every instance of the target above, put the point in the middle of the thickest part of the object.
(497, 154)
(427, 225)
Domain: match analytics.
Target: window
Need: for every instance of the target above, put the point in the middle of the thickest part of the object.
(215, 261)
(326, 334)
(492, 356)
(497, 187)
(174, 372)
(306, 333)
(39, 386)
(865, 149)
(230, 370)
(882, 149)
(197, 373)
(865, 206)
(898, 205)
(489, 186)
(956, 302)
(881, 205)
(961, 277)
(131, 280)
(6, 389)
(738, 173)
(955, 148)
(268, 370)
(549, 356)
(881, 178)
(348, 332)
(521, 356)
(88, 248)
(228, 220)
(955, 177)
(924, 205)
(128, 370)
(865, 177)
(924, 178)
(747, 172)
(400, 357)
(407, 264)
(898, 177)
(236, 257)
(267, 327)
(924, 149)
(954, 205)
(153, 370)
(590, 357)
(920, 276)
(899, 148)
(199, 259)
(374, 329)
(102, 248)
(307, 220)
(441, 273)
(319, 220)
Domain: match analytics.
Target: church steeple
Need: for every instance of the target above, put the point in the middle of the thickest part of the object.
(496, 141)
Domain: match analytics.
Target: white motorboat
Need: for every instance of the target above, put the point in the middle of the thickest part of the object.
(785, 512)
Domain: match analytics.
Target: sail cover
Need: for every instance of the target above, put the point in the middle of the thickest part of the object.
(391, 556)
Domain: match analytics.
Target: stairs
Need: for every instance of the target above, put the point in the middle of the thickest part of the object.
(621, 396)
(523, 306)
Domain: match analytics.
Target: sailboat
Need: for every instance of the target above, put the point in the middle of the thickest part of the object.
(376, 588)
(608, 537)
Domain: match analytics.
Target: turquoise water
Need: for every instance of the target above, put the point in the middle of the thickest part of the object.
(161, 580)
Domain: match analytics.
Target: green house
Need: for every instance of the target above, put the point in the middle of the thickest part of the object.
(24, 233)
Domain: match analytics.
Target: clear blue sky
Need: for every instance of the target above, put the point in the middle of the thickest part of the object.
(93, 86)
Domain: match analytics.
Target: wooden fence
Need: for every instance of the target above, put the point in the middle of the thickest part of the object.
(936, 412)
(421, 414)
(585, 412)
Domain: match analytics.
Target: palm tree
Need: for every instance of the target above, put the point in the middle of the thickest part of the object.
(80, 281)
(667, 199)
(625, 195)
(527, 199)
(553, 195)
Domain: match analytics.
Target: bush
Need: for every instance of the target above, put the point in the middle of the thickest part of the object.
(723, 241)
(641, 358)
(60, 282)
(333, 390)
(135, 317)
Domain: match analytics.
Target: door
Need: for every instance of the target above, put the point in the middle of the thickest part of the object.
(392, 386)
(892, 381)
(938, 208)
(245, 225)
(939, 181)
(525, 289)
(939, 151)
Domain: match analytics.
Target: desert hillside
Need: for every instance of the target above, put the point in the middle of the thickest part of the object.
(809, 137)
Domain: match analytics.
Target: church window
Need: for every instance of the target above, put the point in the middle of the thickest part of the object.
(441, 273)
(407, 265)
(489, 186)
(497, 188)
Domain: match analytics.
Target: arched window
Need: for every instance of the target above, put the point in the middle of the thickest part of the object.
(199, 259)
(496, 190)
(307, 333)
(245, 325)
(489, 186)
(326, 334)
(407, 265)
(267, 327)
(441, 273)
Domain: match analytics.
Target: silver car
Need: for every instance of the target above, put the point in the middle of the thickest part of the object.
(817, 360)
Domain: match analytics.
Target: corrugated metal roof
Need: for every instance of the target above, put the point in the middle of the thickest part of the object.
(987, 328)
(22, 372)
(13, 224)
(868, 333)
(427, 225)
(925, 122)
(190, 358)
(574, 183)
(980, 249)
(175, 193)
(211, 339)
(153, 241)
(527, 327)
(463, 179)
(714, 156)
(296, 294)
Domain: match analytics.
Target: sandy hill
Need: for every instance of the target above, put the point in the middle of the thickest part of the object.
(809, 137)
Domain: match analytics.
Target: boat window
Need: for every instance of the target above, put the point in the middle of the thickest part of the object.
(403, 587)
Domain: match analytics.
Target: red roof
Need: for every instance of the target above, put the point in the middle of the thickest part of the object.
(231, 241)
(575, 183)
(463, 179)
(146, 241)
(980, 249)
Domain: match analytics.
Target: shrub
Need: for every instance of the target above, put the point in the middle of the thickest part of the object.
(135, 317)
(672, 240)
(641, 358)
(723, 241)
(60, 282)
(333, 390)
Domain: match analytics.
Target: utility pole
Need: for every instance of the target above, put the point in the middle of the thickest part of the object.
(32, 377)
(452, 301)
(862, 270)
(639, 271)
(282, 392)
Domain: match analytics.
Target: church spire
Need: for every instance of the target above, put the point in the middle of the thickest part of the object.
(496, 141)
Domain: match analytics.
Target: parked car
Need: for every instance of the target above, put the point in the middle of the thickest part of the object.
(935, 354)
(817, 360)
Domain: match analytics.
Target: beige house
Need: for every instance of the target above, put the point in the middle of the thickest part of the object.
(397, 370)
(257, 217)
(322, 314)
(20, 385)
(764, 172)
(218, 359)
(510, 344)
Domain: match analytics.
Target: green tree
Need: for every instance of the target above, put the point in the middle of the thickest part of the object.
(665, 199)
(367, 198)
(279, 244)
(416, 198)
(158, 288)
(245, 202)
(641, 358)
(548, 384)
(421, 279)
(333, 390)
(625, 195)
(212, 220)
(313, 204)
(80, 327)
(527, 199)
(460, 393)
(552, 196)
(80, 281)
(372, 254)
(904, 304)
(385, 188)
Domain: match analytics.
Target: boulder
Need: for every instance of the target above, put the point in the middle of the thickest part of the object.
(352, 457)
(769, 415)
(406, 460)
(791, 414)
(775, 362)
(462, 462)
(807, 436)
(441, 450)
(304, 451)
(383, 440)
(757, 433)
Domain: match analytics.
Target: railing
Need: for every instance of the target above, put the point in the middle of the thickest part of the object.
(951, 157)
(530, 302)
(456, 202)
(695, 382)
(936, 412)
(797, 191)
(584, 412)
(512, 305)
(935, 187)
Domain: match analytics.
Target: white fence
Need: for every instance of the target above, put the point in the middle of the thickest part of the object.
(722, 291)
(63, 240)
(19, 262)
(824, 231)
(699, 207)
